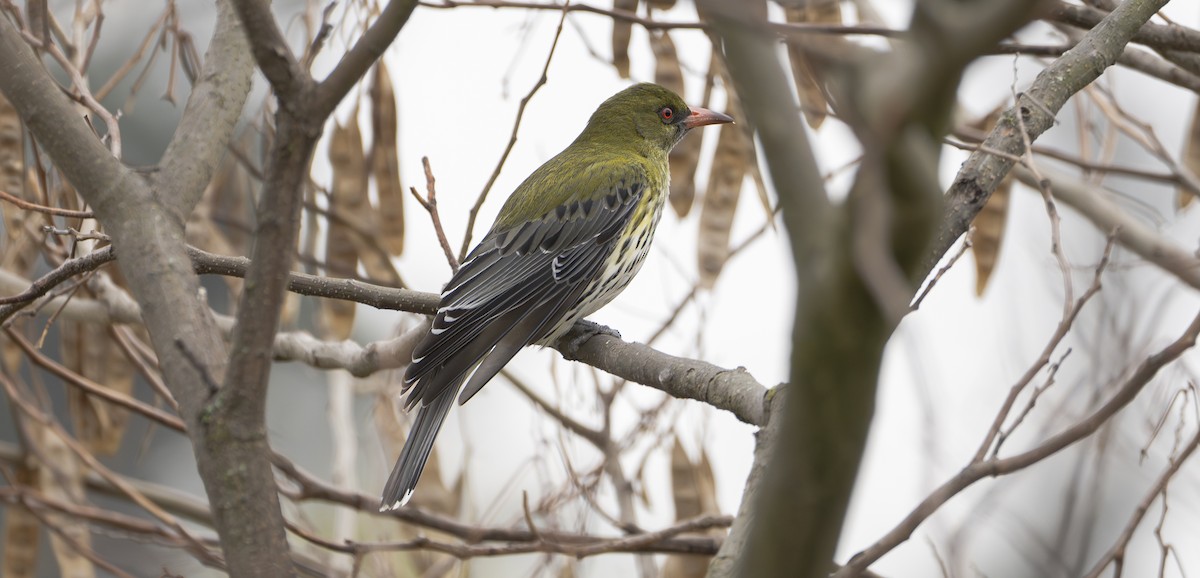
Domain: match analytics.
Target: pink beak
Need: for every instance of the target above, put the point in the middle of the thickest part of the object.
(703, 116)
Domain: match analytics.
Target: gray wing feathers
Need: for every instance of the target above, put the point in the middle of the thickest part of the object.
(416, 450)
(534, 324)
(510, 273)
(512, 290)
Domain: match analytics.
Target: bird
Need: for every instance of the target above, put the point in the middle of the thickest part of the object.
(564, 244)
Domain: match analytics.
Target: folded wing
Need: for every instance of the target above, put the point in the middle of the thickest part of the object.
(515, 287)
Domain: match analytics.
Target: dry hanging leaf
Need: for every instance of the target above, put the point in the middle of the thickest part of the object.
(991, 221)
(209, 222)
(387, 426)
(686, 155)
(18, 252)
(17, 243)
(667, 70)
(89, 350)
(812, 97)
(988, 234)
(823, 11)
(621, 34)
(729, 168)
(1191, 157)
(62, 481)
(760, 185)
(683, 484)
(385, 166)
(348, 196)
(695, 493)
(11, 173)
(351, 204)
(21, 531)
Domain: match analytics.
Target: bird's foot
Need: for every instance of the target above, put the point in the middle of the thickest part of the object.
(581, 332)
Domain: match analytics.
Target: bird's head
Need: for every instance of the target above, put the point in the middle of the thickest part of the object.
(648, 115)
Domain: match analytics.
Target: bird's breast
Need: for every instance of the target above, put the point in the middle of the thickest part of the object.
(622, 263)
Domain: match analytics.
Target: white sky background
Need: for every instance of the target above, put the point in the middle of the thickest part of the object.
(459, 75)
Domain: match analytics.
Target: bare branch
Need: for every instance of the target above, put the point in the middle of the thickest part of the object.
(1001, 466)
(1079, 67)
(213, 108)
(361, 56)
(1092, 201)
(271, 51)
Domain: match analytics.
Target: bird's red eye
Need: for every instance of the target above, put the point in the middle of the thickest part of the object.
(667, 113)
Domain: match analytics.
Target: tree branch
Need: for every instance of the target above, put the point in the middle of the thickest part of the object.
(354, 64)
(1157, 36)
(213, 109)
(995, 467)
(733, 390)
(147, 228)
(1079, 67)
(1093, 203)
(271, 51)
(853, 263)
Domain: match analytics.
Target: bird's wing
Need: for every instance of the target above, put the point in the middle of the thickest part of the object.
(514, 287)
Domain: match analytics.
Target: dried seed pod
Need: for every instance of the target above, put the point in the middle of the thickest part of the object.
(990, 223)
(695, 492)
(1191, 157)
(808, 86)
(621, 34)
(348, 200)
(385, 166)
(686, 155)
(729, 169)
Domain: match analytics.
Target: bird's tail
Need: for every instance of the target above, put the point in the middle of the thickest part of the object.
(416, 450)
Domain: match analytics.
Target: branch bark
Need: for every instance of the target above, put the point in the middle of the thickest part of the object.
(854, 264)
(146, 225)
(1093, 203)
(1079, 67)
(733, 390)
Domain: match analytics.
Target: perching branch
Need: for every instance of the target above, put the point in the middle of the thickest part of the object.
(732, 390)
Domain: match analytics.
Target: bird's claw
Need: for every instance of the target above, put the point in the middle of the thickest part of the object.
(582, 332)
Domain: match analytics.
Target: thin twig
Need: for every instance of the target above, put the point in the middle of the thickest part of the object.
(1117, 551)
(195, 547)
(640, 543)
(962, 250)
(83, 549)
(83, 93)
(616, 14)
(140, 51)
(106, 393)
(1064, 326)
(22, 203)
(429, 203)
(55, 277)
(309, 487)
(512, 140)
(977, 471)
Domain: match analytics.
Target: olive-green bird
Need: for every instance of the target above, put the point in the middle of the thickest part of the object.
(566, 242)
